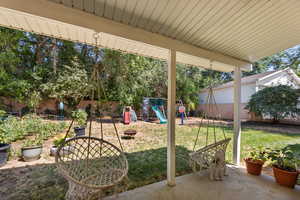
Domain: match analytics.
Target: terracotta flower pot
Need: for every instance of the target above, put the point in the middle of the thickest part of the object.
(285, 178)
(254, 167)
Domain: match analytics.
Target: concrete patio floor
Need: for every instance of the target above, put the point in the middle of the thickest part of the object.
(237, 186)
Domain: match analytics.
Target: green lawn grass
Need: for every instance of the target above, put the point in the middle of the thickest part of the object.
(147, 158)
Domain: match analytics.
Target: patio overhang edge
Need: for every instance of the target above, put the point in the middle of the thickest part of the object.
(50, 10)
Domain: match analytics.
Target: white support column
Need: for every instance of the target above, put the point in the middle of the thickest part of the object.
(237, 116)
(171, 117)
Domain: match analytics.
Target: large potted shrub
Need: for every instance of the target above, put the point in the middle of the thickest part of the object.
(255, 161)
(32, 149)
(284, 162)
(80, 117)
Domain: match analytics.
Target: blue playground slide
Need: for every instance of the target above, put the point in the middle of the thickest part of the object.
(159, 115)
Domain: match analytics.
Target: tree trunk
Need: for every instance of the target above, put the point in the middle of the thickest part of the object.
(40, 46)
(54, 55)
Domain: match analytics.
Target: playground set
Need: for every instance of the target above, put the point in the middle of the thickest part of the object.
(153, 108)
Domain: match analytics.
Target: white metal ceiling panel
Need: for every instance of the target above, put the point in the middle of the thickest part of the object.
(245, 29)
(235, 31)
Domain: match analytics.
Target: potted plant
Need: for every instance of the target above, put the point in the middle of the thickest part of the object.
(255, 160)
(284, 162)
(4, 149)
(58, 142)
(80, 117)
(32, 149)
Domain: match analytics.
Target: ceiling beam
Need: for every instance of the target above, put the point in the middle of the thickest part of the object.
(55, 11)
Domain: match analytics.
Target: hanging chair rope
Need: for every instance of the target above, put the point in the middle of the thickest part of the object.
(212, 109)
(205, 157)
(101, 88)
(91, 164)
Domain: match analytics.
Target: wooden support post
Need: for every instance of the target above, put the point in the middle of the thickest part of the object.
(237, 116)
(171, 117)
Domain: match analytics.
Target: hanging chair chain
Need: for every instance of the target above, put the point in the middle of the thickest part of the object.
(95, 80)
(211, 103)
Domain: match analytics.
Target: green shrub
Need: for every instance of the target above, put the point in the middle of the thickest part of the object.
(34, 100)
(277, 102)
(2, 113)
(32, 123)
(80, 117)
(49, 129)
(14, 128)
(32, 142)
(58, 141)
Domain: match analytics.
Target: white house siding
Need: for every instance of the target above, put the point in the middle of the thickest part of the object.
(224, 96)
(224, 100)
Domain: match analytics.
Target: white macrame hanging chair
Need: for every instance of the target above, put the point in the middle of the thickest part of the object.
(204, 157)
(91, 164)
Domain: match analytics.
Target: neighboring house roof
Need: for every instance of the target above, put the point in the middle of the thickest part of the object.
(258, 77)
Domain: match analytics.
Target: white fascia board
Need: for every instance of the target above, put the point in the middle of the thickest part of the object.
(270, 75)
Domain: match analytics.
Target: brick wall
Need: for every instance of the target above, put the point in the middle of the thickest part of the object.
(52, 104)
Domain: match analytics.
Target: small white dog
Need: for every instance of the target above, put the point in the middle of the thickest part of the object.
(217, 168)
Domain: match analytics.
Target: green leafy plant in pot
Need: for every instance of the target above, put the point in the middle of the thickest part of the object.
(80, 117)
(285, 162)
(56, 143)
(4, 148)
(255, 161)
(32, 148)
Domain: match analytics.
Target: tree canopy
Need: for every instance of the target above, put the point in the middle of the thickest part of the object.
(32, 64)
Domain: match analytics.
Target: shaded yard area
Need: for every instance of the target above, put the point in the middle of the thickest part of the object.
(146, 153)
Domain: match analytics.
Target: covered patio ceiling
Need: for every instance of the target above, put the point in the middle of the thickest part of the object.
(79, 25)
(44, 26)
(223, 34)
